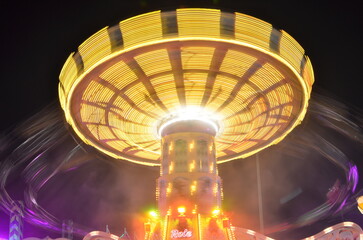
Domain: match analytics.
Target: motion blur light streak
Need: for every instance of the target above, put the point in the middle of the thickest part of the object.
(30, 160)
(23, 151)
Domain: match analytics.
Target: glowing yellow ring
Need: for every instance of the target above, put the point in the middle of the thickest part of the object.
(73, 75)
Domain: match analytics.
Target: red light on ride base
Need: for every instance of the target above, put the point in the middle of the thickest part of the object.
(226, 223)
(147, 227)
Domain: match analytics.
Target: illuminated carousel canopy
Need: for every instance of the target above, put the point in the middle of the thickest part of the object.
(126, 82)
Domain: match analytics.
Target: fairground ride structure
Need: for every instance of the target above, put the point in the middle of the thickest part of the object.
(186, 90)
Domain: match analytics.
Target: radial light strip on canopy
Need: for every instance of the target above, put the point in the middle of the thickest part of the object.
(126, 80)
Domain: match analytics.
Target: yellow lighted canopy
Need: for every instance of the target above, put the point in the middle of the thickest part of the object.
(126, 79)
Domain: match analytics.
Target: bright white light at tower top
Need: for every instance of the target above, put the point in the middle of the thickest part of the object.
(191, 113)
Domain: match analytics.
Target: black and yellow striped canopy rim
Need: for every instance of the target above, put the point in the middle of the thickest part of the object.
(125, 80)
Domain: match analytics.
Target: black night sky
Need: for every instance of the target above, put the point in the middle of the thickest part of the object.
(36, 39)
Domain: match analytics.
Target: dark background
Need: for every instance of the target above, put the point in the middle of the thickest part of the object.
(36, 38)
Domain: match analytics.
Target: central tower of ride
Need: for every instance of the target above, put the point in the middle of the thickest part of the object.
(189, 176)
(189, 188)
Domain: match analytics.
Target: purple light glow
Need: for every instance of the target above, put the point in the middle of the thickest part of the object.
(71, 169)
(353, 175)
(4, 226)
(342, 204)
(39, 222)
